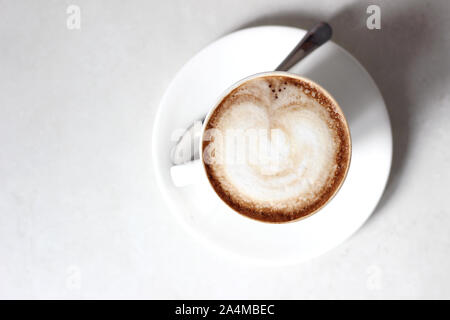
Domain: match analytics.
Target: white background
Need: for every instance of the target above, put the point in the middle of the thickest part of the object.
(80, 213)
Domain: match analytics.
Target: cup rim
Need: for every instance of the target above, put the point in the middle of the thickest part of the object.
(291, 75)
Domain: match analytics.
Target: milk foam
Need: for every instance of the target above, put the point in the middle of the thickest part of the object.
(290, 148)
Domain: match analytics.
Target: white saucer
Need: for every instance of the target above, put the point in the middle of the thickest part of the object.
(193, 92)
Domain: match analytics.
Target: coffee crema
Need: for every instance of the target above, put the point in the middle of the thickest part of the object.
(276, 148)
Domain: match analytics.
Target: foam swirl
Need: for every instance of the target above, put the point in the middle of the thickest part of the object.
(282, 151)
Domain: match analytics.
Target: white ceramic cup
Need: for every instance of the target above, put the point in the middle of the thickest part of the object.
(190, 172)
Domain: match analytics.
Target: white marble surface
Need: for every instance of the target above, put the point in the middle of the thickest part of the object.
(80, 213)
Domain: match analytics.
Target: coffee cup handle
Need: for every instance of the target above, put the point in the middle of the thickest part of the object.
(187, 173)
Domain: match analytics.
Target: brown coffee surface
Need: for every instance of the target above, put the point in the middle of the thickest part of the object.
(294, 148)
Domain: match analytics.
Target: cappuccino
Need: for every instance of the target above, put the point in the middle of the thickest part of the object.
(276, 148)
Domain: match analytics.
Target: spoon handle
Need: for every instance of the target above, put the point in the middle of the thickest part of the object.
(313, 39)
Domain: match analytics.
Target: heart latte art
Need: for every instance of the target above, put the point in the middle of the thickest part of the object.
(276, 148)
